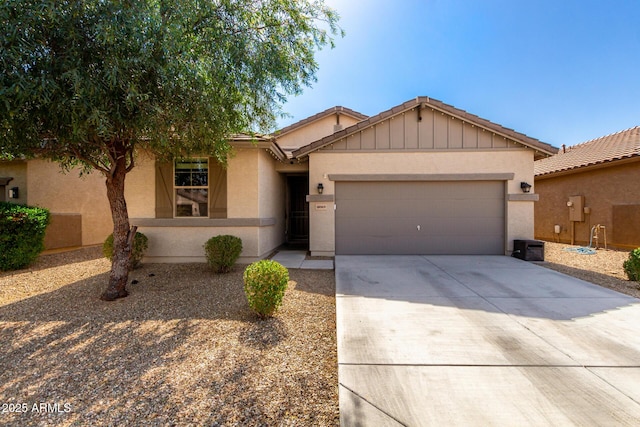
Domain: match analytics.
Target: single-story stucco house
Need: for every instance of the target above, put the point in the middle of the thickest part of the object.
(421, 178)
(600, 179)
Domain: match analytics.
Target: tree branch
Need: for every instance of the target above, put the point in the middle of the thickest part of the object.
(131, 162)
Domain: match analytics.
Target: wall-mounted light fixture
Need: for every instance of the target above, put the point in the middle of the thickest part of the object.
(14, 193)
(320, 188)
(525, 187)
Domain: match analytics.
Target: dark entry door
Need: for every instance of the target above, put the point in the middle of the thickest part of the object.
(298, 209)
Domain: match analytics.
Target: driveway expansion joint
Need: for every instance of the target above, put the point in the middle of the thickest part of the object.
(373, 405)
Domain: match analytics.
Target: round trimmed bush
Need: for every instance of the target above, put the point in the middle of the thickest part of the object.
(140, 245)
(632, 265)
(22, 231)
(222, 252)
(265, 283)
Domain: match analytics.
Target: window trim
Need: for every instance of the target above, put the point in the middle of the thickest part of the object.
(191, 187)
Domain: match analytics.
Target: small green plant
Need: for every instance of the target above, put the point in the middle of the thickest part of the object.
(140, 245)
(222, 252)
(632, 265)
(21, 234)
(265, 283)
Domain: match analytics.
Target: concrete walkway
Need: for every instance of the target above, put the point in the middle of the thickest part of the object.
(297, 259)
(480, 341)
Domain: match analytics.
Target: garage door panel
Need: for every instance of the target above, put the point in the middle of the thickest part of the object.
(368, 208)
(419, 209)
(477, 208)
(379, 190)
(420, 217)
(435, 245)
(433, 209)
(386, 227)
(455, 227)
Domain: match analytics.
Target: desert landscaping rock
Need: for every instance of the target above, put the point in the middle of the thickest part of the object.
(182, 349)
(604, 268)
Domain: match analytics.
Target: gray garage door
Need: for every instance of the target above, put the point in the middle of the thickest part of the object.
(452, 217)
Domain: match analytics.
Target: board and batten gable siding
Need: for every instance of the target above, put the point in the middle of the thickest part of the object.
(431, 130)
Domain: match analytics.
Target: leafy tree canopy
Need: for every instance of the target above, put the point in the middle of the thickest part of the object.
(87, 81)
(172, 76)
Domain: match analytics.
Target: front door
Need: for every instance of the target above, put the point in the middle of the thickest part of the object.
(297, 209)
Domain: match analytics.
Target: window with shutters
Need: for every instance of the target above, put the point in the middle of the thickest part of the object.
(191, 187)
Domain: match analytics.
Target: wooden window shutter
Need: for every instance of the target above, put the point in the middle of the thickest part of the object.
(164, 190)
(217, 190)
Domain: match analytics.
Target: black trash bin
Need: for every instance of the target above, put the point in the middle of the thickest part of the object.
(528, 250)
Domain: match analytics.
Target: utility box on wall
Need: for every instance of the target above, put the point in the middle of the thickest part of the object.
(576, 208)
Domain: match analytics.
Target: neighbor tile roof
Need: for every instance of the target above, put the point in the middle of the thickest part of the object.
(621, 145)
(435, 104)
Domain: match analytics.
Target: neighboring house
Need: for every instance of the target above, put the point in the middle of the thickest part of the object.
(79, 207)
(603, 175)
(421, 178)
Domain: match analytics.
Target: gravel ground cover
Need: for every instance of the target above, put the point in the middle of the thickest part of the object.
(182, 349)
(604, 268)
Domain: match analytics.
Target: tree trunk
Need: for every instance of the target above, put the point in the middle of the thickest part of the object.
(121, 233)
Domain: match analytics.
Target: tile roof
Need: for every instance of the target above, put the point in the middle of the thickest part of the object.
(333, 110)
(423, 101)
(261, 141)
(617, 146)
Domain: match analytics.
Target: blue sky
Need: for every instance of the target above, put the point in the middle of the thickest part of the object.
(562, 71)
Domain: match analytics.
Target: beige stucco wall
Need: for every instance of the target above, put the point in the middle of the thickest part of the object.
(292, 166)
(271, 201)
(603, 189)
(314, 131)
(68, 193)
(243, 178)
(18, 171)
(243, 183)
(42, 183)
(186, 244)
(255, 191)
(139, 188)
(519, 214)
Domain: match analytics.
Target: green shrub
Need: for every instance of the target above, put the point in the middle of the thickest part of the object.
(140, 245)
(21, 234)
(632, 265)
(222, 252)
(264, 285)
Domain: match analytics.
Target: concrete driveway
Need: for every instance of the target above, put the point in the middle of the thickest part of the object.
(482, 341)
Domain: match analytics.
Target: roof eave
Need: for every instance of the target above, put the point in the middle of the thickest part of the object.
(423, 102)
(319, 116)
